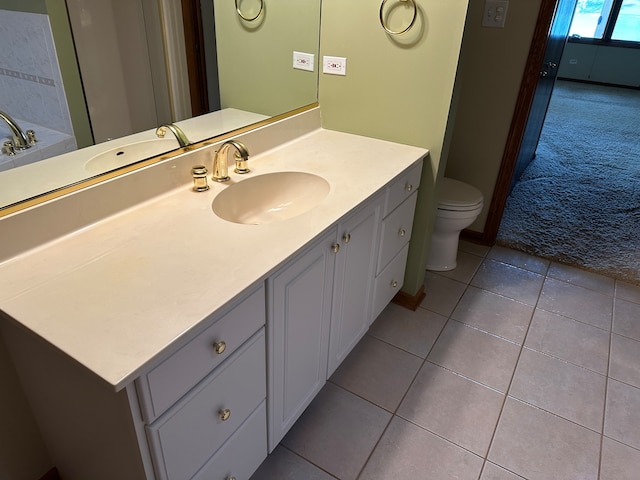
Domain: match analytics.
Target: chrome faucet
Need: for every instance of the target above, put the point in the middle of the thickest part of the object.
(20, 139)
(220, 168)
(176, 130)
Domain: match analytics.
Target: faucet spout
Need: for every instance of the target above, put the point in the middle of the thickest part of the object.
(177, 132)
(20, 140)
(220, 164)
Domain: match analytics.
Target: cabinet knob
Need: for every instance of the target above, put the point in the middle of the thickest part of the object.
(219, 347)
(402, 232)
(394, 283)
(346, 237)
(230, 478)
(224, 414)
(335, 248)
(408, 187)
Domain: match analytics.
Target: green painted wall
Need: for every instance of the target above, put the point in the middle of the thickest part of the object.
(397, 88)
(255, 59)
(30, 6)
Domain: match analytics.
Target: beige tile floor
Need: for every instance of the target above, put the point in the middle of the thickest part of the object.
(512, 368)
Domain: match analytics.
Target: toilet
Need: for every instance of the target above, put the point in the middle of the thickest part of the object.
(459, 204)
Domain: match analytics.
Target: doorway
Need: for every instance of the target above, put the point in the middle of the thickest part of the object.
(587, 212)
(578, 202)
(200, 41)
(556, 40)
(526, 94)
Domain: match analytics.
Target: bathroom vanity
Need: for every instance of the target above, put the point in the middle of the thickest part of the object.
(163, 342)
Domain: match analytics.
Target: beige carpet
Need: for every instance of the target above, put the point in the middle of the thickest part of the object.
(578, 202)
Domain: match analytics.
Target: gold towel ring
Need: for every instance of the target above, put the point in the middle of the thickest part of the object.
(251, 19)
(399, 32)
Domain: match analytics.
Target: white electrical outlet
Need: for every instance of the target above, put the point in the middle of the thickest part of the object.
(334, 65)
(495, 13)
(304, 61)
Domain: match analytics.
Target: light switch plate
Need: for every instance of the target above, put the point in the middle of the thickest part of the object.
(304, 61)
(495, 13)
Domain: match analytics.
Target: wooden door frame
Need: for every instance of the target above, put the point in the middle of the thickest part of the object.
(519, 120)
(196, 61)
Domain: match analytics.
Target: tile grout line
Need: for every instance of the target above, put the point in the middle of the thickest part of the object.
(606, 382)
(506, 394)
(306, 460)
(394, 413)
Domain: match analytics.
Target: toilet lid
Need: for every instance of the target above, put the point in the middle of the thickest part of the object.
(458, 195)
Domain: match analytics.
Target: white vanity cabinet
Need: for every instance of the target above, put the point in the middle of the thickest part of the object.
(298, 321)
(322, 302)
(185, 438)
(172, 378)
(226, 366)
(357, 238)
(320, 306)
(200, 413)
(397, 224)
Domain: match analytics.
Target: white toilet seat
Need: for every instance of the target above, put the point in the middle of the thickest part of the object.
(458, 196)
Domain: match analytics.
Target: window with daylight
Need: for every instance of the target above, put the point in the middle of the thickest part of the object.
(606, 21)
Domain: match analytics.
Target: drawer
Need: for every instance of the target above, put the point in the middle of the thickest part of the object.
(400, 189)
(243, 453)
(170, 380)
(389, 282)
(396, 231)
(188, 434)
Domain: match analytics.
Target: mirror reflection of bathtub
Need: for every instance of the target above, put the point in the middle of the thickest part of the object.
(49, 143)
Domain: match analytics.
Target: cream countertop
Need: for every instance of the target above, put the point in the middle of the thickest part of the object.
(117, 294)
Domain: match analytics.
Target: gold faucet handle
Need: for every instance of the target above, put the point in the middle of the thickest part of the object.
(241, 164)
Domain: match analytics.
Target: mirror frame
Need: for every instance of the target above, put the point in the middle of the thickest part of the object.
(96, 179)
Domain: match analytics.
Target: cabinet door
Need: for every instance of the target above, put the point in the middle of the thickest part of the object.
(299, 308)
(353, 281)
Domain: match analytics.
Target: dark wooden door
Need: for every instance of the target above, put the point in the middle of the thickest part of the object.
(555, 46)
(196, 59)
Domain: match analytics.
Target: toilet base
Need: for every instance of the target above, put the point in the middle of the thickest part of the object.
(441, 268)
(443, 253)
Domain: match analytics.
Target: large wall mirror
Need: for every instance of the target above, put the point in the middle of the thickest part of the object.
(90, 76)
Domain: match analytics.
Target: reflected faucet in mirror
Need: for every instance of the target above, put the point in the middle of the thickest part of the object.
(177, 131)
(220, 166)
(21, 140)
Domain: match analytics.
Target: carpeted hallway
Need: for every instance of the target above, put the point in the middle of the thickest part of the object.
(578, 202)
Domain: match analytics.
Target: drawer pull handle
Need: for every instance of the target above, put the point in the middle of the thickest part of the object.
(224, 414)
(347, 237)
(219, 347)
(335, 248)
(402, 232)
(408, 187)
(394, 283)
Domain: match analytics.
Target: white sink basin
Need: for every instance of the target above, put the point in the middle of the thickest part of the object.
(127, 154)
(270, 198)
